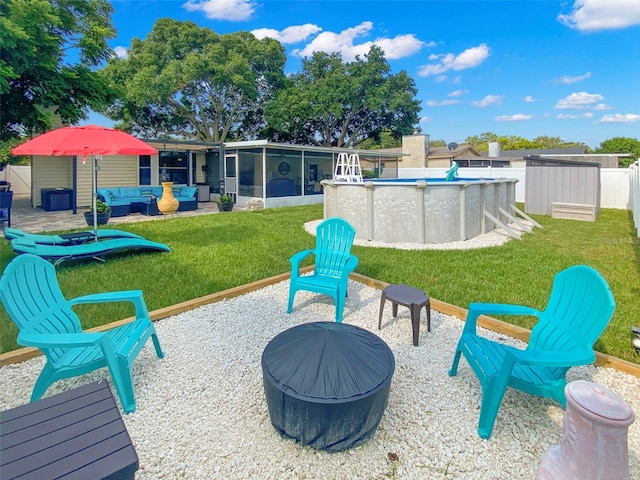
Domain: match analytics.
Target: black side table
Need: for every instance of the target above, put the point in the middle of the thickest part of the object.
(411, 298)
(76, 435)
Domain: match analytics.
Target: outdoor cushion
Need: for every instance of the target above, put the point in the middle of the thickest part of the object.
(124, 196)
(188, 192)
(130, 192)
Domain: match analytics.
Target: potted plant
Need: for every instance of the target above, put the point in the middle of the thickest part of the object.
(103, 213)
(225, 203)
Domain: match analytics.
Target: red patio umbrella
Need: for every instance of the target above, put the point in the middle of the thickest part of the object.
(89, 140)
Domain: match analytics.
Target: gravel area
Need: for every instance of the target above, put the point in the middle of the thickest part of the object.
(201, 411)
(494, 238)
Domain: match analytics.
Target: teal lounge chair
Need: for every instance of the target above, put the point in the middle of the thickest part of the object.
(96, 250)
(579, 309)
(333, 264)
(31, 296)
(66, 239)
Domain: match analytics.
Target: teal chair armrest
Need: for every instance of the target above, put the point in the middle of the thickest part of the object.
(296, 260)
(351, 265)
(133, 296)
(53, 340)
(477, 309)
(125, 296)
(298, 257)
(554, 358)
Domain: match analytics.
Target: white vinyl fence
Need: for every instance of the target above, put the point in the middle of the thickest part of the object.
(634, 188)
(19, 177)
(614, 182)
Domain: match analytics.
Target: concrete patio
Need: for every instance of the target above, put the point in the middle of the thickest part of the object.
(34, 220)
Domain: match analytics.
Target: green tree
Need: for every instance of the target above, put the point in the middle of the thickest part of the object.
(387, 140)
(516, 142)
(48, 50)
(545, 141)
(333, 103)
(189, 82)
(621, 145)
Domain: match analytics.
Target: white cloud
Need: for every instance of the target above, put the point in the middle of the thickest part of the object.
(568, 116)
(121, 52)
(426, 119)
(530, 99)
(488, 101)
(594, 15)
(471, 57)
(293, 34)
(602, 106)
(399, 46)
(518, 117)
(567, 80)
(620, 118)
(442, 103)
(458, 93)
(579, 101)
(344, 43)
(231, 10)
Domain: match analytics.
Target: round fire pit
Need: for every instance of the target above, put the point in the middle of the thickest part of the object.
(327, 383)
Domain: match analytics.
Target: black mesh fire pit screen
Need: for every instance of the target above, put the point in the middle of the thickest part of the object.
(327, 383)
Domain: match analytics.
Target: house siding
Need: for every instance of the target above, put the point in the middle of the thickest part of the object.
(50, 172)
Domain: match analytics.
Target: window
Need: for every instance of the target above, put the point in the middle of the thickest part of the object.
(317, 167)
(176, 165)
(145, 170)
(284, 172)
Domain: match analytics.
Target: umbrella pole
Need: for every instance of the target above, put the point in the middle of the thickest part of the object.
(94, 194)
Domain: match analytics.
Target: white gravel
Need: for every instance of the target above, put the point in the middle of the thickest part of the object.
(201, 411)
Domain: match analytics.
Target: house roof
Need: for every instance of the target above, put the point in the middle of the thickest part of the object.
(544, 151)
(444, 152)
(198, 146)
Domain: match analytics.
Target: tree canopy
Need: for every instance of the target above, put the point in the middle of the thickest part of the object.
(48, 50)
(340, 104)
(189, 82)
(622, 145)
(515, 142)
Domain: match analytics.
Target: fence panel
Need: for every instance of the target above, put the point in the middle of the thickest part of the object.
(634, 188)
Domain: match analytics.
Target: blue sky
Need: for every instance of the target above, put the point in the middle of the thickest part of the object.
(569, 69)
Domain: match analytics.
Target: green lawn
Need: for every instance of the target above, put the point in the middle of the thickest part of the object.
(220, 251)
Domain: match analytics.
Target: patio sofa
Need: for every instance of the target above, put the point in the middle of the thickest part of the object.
(126, 200)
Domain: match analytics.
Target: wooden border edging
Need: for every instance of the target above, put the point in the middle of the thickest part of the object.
(602, 359)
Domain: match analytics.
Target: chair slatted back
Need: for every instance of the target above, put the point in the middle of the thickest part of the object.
(334, 237)
(579, 309)
(31, 295)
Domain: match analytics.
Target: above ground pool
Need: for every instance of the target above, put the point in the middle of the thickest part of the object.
(427, 210)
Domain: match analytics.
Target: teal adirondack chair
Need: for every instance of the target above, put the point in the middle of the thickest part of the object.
(579, 309)
(333, 263)
(31, 295)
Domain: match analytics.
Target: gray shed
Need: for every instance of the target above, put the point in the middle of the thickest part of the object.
(562, 189)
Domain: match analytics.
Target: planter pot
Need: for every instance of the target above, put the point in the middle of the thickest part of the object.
(103, 218)
(168, 204)
(225, 207)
